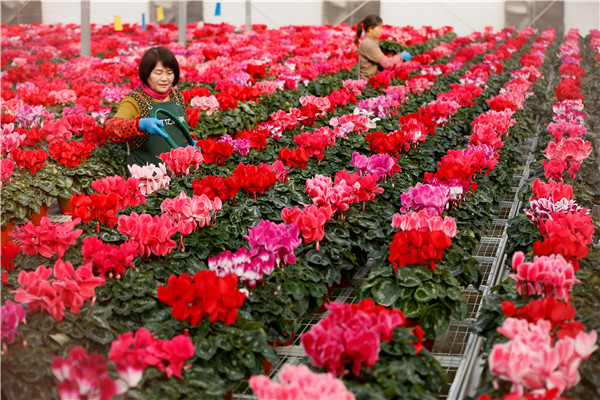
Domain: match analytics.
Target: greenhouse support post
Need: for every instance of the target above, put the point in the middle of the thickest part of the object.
(85, 28)
(182, 20)
(248, 15)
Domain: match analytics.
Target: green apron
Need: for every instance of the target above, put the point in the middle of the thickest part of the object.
(156, 145)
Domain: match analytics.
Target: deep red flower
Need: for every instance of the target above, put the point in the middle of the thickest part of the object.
(254, 179)
(33, 160)
(296, 158)
(10, 250)
(215, 152)
(203, 295)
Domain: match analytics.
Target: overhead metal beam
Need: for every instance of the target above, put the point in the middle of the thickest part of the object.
(351, 13)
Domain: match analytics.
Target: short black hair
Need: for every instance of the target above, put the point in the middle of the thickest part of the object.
(152, 56)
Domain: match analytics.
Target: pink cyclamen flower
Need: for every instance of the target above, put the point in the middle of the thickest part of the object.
(134, 352)
(546, 276)
(182, 159)
(12, 315)
(422, 221)
(107, 258)
(298, 382)
(152, 235)
(190, 214)
(7, 166)
(47, 238)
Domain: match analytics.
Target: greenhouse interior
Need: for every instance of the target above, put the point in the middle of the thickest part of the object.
(293, 200)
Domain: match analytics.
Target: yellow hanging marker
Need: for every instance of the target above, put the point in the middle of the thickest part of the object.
(118, 25)
(160, 14)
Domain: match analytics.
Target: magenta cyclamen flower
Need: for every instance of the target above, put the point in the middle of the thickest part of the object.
(430, 198)
(12, 315)
(350, 334)
(279, 240)
(545, 276)
(299, 382)
(360, 162)
(381, 165)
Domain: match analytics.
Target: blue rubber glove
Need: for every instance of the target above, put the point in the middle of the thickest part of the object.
(152, 126)
(406, 55)
(196, 145)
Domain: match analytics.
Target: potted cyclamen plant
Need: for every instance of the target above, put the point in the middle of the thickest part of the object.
(409, 275)
(368, 347)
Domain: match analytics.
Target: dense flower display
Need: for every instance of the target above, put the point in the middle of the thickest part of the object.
(546, 345)
(280, 118)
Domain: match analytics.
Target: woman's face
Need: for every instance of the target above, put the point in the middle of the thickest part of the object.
(375, 32)
(161, 78)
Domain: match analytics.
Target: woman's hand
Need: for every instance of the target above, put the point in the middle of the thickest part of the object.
(153, 126)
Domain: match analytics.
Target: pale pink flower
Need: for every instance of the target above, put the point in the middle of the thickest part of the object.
(151, 177)
(210, 104)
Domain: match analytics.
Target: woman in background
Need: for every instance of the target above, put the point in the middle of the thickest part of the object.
(134, 124)
(371, 59)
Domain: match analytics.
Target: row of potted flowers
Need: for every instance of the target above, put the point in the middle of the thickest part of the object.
(546, 344)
